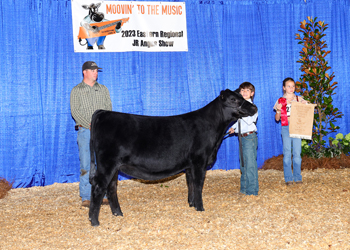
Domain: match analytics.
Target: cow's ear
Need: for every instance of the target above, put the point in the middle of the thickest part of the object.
(237, 91)
(223, 95)
(98, 5)
(85, 6)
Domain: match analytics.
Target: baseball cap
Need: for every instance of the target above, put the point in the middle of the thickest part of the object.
(90, 65)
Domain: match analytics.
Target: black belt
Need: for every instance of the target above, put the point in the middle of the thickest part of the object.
(77, 127)
(248, 133)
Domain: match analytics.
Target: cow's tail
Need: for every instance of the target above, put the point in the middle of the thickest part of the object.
(92, 156)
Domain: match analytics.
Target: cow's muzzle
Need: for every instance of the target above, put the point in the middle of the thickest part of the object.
(97, 16)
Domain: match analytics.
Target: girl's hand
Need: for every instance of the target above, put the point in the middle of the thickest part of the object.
(231, 131)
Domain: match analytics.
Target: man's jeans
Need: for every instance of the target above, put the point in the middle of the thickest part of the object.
(289, 145)
(84, 156)
(249, 176)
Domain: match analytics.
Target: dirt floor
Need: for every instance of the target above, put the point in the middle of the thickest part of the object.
(314, 215)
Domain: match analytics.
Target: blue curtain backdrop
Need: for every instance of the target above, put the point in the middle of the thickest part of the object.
(229, 42)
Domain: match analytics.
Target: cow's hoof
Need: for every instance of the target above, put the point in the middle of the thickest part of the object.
(200, 209)
(95, 224)
(118, 214)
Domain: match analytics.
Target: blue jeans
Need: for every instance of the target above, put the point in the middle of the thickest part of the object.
(83, 139)
(99, 40)
(291, 145)
(249, 176)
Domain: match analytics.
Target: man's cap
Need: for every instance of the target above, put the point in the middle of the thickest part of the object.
(90, 65)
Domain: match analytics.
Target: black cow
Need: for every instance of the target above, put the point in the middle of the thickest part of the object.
(152, 148)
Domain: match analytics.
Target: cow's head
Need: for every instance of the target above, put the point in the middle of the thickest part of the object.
(234, 105)
(93, 12)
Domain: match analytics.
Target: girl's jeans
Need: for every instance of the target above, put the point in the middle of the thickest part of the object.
(291, 145)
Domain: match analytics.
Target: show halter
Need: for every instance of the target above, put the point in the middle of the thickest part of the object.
(284, 117)
(240, 142)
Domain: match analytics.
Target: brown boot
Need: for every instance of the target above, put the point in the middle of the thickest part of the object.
(85, 203)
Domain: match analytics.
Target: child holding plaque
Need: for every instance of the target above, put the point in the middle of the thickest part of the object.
(291, 146)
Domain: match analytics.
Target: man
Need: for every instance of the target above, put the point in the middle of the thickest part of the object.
(85, 98)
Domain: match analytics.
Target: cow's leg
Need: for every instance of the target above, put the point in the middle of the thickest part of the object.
(91, 42)
(113, 197)
(189, 181)
(100, 42)
(98, 191)
(198, 182)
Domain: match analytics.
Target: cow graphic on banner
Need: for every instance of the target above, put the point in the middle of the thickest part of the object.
(94, 27)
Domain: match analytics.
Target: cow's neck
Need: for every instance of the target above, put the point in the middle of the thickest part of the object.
(216, 116)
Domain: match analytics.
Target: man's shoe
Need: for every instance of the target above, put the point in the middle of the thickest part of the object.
(85, 203)
(288, 183)
(298, 182)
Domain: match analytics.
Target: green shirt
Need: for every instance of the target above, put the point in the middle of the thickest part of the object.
(85, 100)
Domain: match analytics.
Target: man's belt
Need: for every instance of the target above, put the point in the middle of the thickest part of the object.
(77, 127)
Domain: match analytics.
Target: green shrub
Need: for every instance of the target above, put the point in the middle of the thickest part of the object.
(337, 146)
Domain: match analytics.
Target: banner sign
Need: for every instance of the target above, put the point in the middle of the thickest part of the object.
(301, 120)
(116, 26)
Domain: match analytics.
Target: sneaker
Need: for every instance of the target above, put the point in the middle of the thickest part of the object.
(288, 183)
(85, 203)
